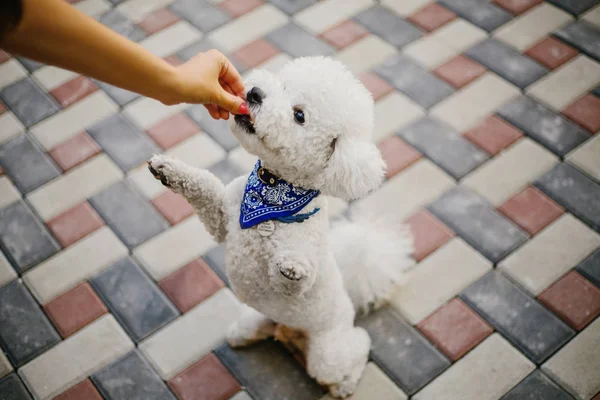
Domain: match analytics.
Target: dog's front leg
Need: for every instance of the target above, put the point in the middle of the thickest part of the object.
(202, 190)
(291, 273)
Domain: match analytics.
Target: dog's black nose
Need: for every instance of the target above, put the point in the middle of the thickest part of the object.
(255, 95)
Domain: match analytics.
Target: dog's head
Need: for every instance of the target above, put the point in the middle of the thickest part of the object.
(311, 124)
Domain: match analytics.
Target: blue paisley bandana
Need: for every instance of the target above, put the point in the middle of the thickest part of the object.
(267, 197)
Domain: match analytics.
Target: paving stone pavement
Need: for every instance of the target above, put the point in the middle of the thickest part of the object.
(487, 113)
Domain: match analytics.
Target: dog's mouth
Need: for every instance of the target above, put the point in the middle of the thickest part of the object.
(246, 122)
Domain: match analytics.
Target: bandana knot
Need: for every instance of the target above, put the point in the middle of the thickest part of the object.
(267, 197)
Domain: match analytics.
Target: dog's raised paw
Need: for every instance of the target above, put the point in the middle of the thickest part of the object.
(291, 271)
(158, 167)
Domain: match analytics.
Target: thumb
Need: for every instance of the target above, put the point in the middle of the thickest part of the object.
(229, 102)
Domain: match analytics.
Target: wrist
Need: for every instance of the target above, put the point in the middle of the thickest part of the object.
(171, 88)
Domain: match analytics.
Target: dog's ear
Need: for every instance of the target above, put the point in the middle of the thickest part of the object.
(355, 168)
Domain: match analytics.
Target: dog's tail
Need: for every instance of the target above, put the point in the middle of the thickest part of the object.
(373, 255)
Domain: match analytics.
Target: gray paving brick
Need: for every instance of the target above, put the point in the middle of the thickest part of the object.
(31, 65)
(122, 25)
(132, 218)
(200, 46)
(124, 143)
(268, 372)
(389, 26)
(131, 378)
(583, 36)
(29, 103)
(516, 68)
(200, 14)
(596, 91)
(444, 146)
(24, 239)
(26, 164)
(215, 259)
(537, 386)
(135, 301)
(225, 171)
(218, 130)
(543, 125)
(478, 223)
(25, 332)
(298, 43)
(575, 7)
(590, 268)
(120, 96)
(574, 191)
(11, 388)
(533, 329)
(410, 360)
(292, 6)
(484, 14)
(414, 81)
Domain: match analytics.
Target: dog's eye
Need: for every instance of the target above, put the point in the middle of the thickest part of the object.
(299, 116)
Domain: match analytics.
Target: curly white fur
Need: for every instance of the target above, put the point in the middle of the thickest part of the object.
(305, 276)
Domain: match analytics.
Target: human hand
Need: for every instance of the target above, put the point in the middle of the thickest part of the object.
(210, 79)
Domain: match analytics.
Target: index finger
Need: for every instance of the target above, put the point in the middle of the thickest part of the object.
(232, 77)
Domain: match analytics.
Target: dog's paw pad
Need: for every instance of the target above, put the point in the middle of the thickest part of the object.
(157, 166)
(292, 272)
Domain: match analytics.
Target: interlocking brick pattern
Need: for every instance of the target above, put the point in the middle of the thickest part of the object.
(488, 115)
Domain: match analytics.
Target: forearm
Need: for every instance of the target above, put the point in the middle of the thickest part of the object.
(53, 32)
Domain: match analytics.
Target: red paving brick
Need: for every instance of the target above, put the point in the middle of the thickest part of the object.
(208, 379)
(191, 284)
(82, 391)
(551, 52)
(517, 7)
(455, 329)
(460, 71)
(586, 112)
(344, 34)
(376, 85)
(256, 52)
(75, 309)
(73, 91)
(173, 206)
(531, 210)
(237, 8)
(74, 151)
(173, 130)
(493, 135)
(432, 17)
(75, 223)
(575, 299)
(429, 233)
(397, 154)
(158, 20)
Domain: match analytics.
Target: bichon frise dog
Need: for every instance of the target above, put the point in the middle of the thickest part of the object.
(310, 127)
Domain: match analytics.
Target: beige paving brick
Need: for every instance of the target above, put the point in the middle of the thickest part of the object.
(529, 28)
(74, 265)
(192, 336)
(75, 186)
(567, 83)
(508, 173)
(50, 77)
(247, 28)
(10, 126)
(175, 247)
(146, 112)
(327, 13)
(71, 121)
(429, 52)
(7, 273)
(241, 396)
(438, 278)
(93, 8)
(5, 365)
(145, 183)
(405, 7)
(593, 15)
(587, 157)
(198, 151)
(551, 254)
(405, 193)
(8, 192)
(243, 160)
(459, 35)
(375, 384)
(366, 54)
(577, 365)
(171, 39)
(73, 359)
(389, 119)
(275, 63)
(474, 102)
(486, 373)
(11, 71)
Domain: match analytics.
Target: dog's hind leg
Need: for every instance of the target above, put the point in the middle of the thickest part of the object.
(201, 189)
(251, 327)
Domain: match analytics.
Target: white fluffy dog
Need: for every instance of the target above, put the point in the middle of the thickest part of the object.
(310, 126)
